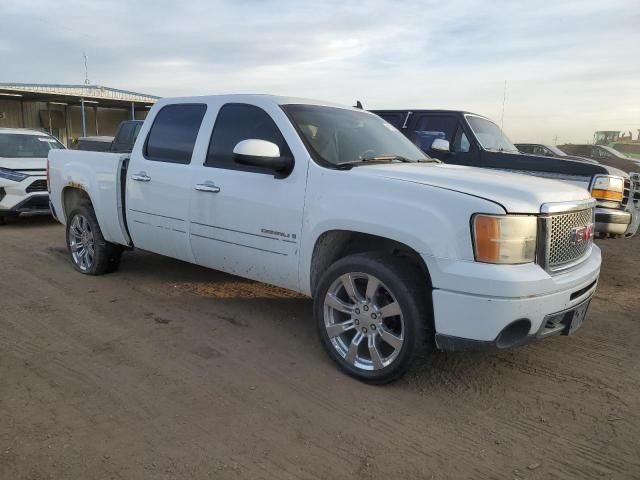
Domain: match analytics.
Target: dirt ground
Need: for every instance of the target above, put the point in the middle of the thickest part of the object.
(165, 370)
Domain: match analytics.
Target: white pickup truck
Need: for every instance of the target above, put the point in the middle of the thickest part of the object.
(402, 254)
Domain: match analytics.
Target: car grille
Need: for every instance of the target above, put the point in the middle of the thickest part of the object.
(627, 189)
(559, 250)
(37, 186)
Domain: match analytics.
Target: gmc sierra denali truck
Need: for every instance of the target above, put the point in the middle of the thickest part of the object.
(401, 253)
(464, 138)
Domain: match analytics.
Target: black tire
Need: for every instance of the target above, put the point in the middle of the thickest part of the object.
(7, 218)
(406, 282)
(106, 258)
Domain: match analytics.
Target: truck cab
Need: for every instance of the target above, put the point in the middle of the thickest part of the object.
(465, 138)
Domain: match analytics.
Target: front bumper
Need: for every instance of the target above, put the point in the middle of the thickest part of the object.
(611, 221)
(471, 320)
(29, 196)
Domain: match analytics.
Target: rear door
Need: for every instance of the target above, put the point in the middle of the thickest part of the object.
(158, 182)
(245, 220)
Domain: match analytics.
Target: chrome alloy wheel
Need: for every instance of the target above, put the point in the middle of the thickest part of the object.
(363, 321)
(81, 242)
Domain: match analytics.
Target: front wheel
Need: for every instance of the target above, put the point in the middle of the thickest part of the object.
(373, 316)
(89, 252)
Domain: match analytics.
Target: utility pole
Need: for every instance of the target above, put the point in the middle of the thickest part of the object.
(86, 69)
(504, 100)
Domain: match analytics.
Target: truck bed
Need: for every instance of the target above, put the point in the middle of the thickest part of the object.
(100, 175)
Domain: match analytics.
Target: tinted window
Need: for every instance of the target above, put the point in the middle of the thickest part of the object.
(394, 119)
(173, 133)
(429, 128)
(237, 122)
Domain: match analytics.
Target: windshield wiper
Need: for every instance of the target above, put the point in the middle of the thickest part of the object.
(377, 159)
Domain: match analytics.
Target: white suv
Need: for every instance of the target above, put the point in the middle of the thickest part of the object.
(23, 162)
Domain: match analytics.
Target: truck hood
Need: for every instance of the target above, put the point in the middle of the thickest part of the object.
(25, 165)
(515, 193)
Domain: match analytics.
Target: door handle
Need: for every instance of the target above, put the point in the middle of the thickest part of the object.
(141, 177)
(207, 187)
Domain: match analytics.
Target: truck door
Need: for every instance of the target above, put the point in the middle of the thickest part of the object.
(245, 220)
(425, 128)
(158, 183)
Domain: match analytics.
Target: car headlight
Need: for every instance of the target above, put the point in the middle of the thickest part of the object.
(606, 187)
(509, 239)
(12, 175)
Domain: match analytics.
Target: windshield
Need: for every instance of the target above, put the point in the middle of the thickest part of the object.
(490, 136)
(339, 136)
(18, 145)
(614, 152)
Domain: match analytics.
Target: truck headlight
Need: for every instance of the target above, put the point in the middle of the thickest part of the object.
(12, 175)
(509, 239)
(606, 187)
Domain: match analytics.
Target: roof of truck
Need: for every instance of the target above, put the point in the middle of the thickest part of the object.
(257, 98)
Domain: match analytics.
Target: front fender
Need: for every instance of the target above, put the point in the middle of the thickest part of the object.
(432, 221)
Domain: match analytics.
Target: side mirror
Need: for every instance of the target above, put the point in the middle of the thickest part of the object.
(262, 154)
(441, 145)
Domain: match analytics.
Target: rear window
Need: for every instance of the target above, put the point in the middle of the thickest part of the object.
(174, 132)
(14, 145)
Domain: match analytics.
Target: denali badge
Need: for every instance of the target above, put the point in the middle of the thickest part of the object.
(579, 235)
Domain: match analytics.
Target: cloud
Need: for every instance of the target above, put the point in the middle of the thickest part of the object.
(571, 67)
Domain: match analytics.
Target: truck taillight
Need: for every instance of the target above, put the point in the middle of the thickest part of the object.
(48, 188)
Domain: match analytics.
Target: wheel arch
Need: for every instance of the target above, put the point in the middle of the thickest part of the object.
(332, 245)
(72, 197)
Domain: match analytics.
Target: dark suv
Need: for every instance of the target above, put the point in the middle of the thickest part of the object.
(602, 154)
(465, 138)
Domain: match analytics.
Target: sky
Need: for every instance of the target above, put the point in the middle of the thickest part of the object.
(571, 67)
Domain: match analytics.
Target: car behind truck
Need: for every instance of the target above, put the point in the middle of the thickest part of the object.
(464, 138)
(401, 254)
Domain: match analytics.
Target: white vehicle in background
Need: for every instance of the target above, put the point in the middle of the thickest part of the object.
(23, 163)
(402, 254)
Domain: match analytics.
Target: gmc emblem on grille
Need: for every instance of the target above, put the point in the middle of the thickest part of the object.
(579, 235)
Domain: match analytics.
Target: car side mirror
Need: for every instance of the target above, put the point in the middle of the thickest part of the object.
(262, 154)
(441, 145)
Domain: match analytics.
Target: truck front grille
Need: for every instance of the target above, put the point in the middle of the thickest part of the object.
(559, 248)
(627, 189)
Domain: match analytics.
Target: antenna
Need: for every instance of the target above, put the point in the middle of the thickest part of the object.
(86, 69)
(504, 100)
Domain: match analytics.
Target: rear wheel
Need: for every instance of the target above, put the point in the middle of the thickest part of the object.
(89, 252)
(373, 316)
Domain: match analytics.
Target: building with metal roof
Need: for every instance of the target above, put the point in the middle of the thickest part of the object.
(70, 111)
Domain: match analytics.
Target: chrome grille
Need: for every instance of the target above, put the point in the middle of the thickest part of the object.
(559, 247)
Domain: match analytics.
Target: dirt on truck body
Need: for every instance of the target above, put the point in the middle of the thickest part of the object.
(165, 370)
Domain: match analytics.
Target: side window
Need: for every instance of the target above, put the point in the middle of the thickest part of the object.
(237, 122)
(429, 128)
(174, 132)
(395, 119)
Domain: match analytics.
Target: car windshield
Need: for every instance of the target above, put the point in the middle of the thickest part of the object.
(339, 136)
(20, 145)
(489, 135)
(614, 152)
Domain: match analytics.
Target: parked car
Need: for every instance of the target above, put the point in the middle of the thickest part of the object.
(464, 138)
(548, 151)
(604, 154)
(23, 160)
(401, 253)
(122, 142)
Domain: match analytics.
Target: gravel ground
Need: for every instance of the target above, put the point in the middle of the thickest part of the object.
(165, 370)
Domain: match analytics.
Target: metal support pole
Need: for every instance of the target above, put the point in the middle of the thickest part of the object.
(96, 114)
(84, 118)
(133, 111)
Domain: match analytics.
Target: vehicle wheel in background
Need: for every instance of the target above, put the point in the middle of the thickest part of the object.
(89, 252)
(373, 315)
(7, 218)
